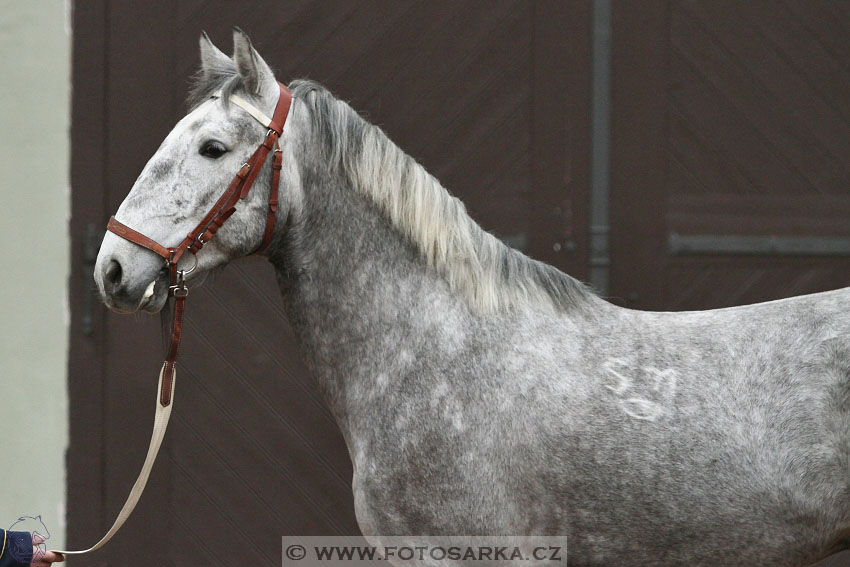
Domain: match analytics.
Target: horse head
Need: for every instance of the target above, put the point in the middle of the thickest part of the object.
(192, 168)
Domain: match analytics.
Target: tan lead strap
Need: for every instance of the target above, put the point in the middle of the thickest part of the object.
(164, 399)
(160, 424)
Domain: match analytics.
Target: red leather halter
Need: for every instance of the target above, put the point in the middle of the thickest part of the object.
(212, 222)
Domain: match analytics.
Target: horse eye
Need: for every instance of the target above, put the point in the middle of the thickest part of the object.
(213, 149)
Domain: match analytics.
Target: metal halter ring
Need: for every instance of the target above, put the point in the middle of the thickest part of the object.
(184, 273)
(180, 284)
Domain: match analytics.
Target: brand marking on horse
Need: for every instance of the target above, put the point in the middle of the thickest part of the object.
(644, 392)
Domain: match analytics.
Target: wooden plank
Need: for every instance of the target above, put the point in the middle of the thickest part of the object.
(785, 215)
(702, 164)
(826, 24)
(734, 116)
(560, 144)
(639, 153)
(86, 520)
(793, 42)
(710, 283)
(232, 544)
(250, 383)
(807, 130)
(748, 245)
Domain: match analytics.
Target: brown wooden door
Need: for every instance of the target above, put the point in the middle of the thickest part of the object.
(492, 98)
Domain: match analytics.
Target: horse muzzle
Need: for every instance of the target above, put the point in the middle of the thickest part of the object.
(129, 282)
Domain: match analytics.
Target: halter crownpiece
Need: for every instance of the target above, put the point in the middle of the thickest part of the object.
(177, 290)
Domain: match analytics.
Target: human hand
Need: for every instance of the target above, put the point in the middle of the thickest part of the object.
(40, 556)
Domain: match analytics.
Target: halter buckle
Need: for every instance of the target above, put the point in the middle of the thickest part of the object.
(179, 289)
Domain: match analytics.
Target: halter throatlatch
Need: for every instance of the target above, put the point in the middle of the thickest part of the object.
(177, 290)
(238, 189)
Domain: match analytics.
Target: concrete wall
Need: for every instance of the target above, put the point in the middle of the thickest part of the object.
(35, 66)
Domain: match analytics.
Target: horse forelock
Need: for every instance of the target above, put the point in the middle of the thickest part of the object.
(217, 75)
(476, 264)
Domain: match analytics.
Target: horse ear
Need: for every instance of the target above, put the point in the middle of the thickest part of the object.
(255, 73)
(211, 56)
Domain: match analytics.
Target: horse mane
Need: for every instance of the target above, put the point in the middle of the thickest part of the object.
(489, 274)
(476, 264)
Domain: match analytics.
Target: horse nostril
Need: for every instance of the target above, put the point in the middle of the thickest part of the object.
(112, 275)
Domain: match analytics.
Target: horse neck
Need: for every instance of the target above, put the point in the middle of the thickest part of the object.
(359, 296)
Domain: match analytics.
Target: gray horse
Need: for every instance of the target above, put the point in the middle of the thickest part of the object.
(482, 392)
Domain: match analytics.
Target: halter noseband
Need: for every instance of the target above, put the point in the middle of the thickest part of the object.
(214, 219)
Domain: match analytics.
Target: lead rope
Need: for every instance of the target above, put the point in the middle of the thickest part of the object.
(164, 399)
(160, 424)
(178, 290)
